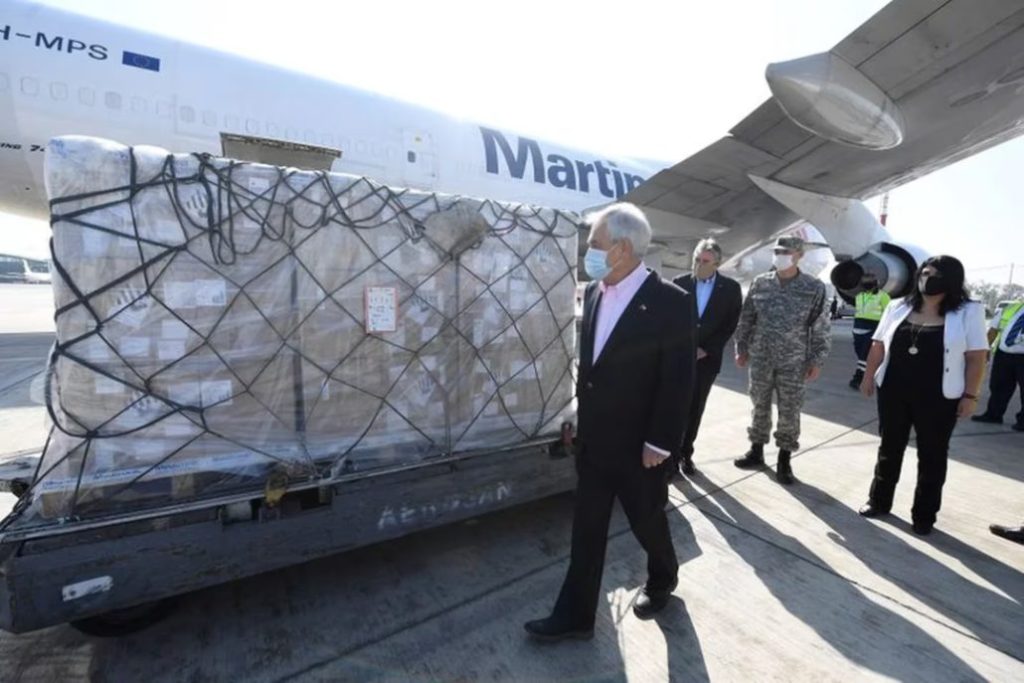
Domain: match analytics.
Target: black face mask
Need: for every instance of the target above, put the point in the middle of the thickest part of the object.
(870, 285)
(931, 285)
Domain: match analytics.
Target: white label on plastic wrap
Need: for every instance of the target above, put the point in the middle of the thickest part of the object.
(170, 349)
(178, 295)
(107, 387)
(210, 293)
(258, 185)
(134, 347)
(217, 392)
(93, 349)
(95, 242)
(381, 309)
(76, 591)
(186, 393)
(165, 230)
(178, 428)
(174, 329)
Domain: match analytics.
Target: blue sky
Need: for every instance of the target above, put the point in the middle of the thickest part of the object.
(646, 79)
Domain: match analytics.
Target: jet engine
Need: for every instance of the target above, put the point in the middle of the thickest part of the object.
(894, 266)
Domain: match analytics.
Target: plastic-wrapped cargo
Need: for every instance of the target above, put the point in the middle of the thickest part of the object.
(219, 323)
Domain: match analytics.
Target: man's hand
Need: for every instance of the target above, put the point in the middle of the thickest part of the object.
(701, 353)
(867, 386)
(653, 458)
(742, 359)
(813, 373)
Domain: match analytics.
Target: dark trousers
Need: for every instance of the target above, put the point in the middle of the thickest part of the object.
(861, 347)
(933, 418)
(643, 494)
(1006, 375)
(707, 371)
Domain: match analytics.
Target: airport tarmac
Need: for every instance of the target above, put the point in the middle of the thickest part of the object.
(777, 583)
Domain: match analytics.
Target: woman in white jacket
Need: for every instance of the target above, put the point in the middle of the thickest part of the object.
(927, 360)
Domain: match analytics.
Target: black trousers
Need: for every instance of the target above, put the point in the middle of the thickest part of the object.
(861, 347)
(643, 494)
(707, 371)
(933, 418)
(1006, 375)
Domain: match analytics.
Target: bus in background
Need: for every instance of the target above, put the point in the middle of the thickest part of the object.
(25, 270)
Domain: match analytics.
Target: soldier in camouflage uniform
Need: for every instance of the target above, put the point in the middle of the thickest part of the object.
(784, 336)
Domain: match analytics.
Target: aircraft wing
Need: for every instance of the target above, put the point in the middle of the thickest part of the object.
(920, 85)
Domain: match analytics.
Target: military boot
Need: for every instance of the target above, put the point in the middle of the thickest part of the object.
(783, 472)
(752, 459)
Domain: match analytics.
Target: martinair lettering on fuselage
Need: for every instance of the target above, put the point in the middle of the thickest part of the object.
(558, 170)
(55, 42)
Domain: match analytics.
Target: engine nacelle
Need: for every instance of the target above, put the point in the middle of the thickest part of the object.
(894, 266)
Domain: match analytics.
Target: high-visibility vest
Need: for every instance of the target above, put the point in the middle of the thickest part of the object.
(871, 304)
(1004, 321)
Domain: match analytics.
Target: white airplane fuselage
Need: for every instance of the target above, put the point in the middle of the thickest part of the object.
(64, 74)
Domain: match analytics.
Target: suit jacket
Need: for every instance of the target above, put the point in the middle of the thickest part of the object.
(720, 318)
(639, 389)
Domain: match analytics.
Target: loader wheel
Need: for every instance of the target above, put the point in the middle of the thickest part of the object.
(123, 622)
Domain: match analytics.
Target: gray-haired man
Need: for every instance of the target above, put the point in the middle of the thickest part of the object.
(635, 379)
(784, 335)
(718, 300)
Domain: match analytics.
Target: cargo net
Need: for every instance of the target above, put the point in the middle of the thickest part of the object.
(223, 323)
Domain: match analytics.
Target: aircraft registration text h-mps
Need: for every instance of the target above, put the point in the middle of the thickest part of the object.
(58, 43)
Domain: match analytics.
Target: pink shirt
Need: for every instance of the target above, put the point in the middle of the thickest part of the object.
(614, 300)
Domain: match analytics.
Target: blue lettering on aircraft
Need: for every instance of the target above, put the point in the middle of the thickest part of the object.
(527, 159)
(56, 43)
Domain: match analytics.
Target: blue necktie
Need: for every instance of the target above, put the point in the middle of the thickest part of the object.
(1018, 327)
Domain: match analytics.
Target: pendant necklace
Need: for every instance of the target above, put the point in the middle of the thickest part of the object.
(915, 331)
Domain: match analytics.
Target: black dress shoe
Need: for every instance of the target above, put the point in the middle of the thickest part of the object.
(551, 630)
(987, 419)
(687, 467)
(648, 604)
(871, 510)
(922, 529)
(1011, 533)
(1018, 427)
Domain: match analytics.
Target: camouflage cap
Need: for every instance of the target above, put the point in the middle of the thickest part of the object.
(790, 243)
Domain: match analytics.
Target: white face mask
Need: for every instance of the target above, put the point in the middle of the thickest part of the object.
(782, 261)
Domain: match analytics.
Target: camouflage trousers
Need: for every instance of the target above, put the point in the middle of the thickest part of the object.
(787, 383)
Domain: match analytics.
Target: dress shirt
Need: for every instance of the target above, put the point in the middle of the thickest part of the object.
(704, 289)
(614, 301)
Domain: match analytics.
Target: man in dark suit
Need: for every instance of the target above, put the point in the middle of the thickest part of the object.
(637, 352)
(718, 300)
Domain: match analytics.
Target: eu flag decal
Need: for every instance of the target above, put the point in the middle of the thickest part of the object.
(140, 61)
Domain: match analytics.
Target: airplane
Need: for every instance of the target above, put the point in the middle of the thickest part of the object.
(918, 86)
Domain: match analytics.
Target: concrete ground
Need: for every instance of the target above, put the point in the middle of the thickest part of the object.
(776, 583)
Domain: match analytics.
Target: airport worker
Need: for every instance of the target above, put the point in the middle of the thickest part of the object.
(1007, 372)
(636, 374)
(784, 336)
(870, 303)
(927, 361)
(718, 301)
